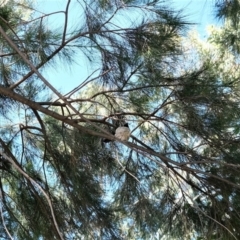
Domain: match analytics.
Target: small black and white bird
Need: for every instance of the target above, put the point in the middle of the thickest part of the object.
(122, 133)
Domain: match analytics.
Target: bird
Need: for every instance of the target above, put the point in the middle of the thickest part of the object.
(122, 133)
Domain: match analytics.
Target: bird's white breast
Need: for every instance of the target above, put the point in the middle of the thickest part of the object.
(122, 133)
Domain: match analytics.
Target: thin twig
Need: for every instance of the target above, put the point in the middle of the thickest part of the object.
(4, 225)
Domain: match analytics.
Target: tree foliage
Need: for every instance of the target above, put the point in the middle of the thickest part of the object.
(178, 175)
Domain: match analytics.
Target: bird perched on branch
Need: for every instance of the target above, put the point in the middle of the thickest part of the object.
(122, 133)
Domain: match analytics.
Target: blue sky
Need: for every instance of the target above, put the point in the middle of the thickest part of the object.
(200, 12)
(65, 78)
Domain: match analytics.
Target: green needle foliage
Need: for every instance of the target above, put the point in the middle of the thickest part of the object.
(64, 175)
